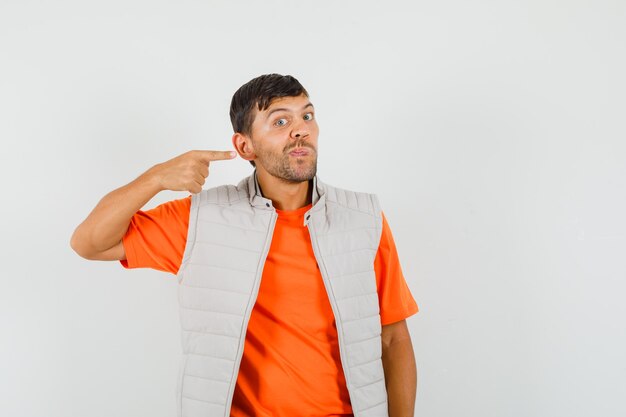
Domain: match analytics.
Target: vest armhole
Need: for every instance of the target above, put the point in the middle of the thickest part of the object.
(378, 218)
(191, 234)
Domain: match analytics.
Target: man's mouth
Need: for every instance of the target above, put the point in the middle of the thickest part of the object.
(299, 152)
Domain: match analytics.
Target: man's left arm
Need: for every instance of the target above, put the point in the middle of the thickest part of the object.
(400, 369)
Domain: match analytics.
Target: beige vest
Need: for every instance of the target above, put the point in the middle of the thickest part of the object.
(230, 231)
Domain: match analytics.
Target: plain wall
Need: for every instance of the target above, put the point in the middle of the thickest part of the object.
(492, 132)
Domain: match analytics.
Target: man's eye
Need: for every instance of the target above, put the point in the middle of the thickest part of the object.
(280, 122)
(310, 116)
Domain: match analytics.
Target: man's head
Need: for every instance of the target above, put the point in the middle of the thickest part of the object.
(271, 116)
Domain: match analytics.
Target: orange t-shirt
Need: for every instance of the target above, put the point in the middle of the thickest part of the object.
(291, 363)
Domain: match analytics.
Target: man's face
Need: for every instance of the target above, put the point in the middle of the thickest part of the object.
(279, 132)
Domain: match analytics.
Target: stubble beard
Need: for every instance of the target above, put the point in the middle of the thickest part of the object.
(288, 168)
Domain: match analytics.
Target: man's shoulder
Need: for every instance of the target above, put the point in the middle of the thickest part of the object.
(344, 190)
(350, 198)
(223, 194)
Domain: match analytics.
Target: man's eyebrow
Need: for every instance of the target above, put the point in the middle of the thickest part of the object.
(284, 109)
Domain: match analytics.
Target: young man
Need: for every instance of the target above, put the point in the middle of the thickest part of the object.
(292, 299)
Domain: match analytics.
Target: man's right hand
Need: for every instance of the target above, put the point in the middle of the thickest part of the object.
(99, 236)
(187, 172)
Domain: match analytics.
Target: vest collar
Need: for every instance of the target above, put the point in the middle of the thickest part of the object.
(257, 200)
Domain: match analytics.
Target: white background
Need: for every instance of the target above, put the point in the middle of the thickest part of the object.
(492, 131)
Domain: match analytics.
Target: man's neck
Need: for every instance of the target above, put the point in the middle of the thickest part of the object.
(284, 195)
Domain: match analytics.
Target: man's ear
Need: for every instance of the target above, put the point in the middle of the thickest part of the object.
(243, 145)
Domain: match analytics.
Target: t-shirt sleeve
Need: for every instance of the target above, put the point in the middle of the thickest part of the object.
(395, 298)
(156, 238)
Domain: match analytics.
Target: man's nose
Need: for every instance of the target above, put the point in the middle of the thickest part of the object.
(300, 130)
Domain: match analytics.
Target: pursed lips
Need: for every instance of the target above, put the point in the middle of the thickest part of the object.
(299, 152)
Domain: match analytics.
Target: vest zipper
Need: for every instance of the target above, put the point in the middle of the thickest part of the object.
(333, 304)
(257, 284)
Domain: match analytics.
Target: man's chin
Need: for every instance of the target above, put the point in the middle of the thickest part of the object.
(299, 179)
(298, 176)
(293, 172)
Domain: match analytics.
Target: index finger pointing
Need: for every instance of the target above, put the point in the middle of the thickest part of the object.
(217, 155)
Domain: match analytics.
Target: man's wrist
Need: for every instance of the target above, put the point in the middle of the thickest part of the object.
(152, 179)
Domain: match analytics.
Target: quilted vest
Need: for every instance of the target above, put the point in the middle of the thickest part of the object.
(229, 236)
